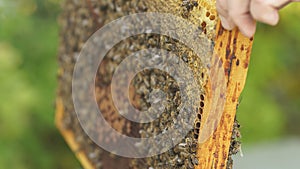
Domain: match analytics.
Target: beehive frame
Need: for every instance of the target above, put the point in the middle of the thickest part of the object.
(229, 46)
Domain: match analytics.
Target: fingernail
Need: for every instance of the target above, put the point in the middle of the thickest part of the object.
(225, 23)
(249, 29)
(247, 33)
(271, 18)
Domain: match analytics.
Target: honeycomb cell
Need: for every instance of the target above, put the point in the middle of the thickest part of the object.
(207, 14)
(202, 104)
(212, 17)
(202, 97)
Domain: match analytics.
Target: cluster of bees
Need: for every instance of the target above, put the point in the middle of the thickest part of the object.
(79, 20)
(188, 5)
(235, 144)
(183, 154)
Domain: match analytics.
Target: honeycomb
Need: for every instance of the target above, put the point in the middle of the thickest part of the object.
(81, 18)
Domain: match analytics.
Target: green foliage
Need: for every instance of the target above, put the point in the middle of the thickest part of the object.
(28, 52)
(270, 101)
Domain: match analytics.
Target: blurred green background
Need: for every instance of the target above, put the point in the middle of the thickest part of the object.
(269, 109)
(28, 66)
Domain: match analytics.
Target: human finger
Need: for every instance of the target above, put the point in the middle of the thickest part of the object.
(278, 4)
(226, 21)
(240, 14)
(264, 12)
